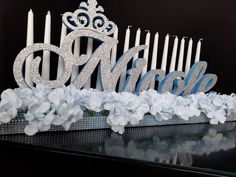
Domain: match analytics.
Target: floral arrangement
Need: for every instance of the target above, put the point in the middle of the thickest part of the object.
(43, 107)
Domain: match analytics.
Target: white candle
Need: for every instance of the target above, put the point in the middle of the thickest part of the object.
(181, 55)
(126, 47)
(29, 41)
(154, 57)
(165, 53)
(75, 71)
(127, 38)
(87, 85)
(114, 49)
(137, 43)
(46, 54)
(174, 54)
(146, 52)
(198, 51)
(98, 83)
(60, 67)
(189, 55)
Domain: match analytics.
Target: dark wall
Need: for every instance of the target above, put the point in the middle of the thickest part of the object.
(213, 20)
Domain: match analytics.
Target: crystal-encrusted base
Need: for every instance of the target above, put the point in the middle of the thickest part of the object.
(18, 124)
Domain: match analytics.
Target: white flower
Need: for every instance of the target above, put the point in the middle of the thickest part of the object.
(58, 120)
(63, 106)
(205, 104)
(37, 117)
(9, 105)
(9, 98)
(27, 97)
(90, 99)
(49, 118)
(162, 105)
(218, 116)
(69, 113)
(217, 100)
(118, 120)
(57, 96)
(204, 101)
(8, 115)
(186, 108)
(41, 92)
(39, 108)
(124, 108)
(71, 94)
(30, 130)
(230, 103)
(118, 129)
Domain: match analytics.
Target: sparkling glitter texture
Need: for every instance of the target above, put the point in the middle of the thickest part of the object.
(133, 75)
(88, 21)
(172, 83)
(146, 80)
(89, 16)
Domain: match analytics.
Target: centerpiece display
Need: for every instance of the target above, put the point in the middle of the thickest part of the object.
(144, 98)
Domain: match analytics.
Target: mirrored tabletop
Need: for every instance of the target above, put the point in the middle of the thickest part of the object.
(199, 147)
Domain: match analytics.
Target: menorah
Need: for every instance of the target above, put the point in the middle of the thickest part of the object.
(175, 64)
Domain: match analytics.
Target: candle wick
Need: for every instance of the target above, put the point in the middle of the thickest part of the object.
(200, 39)
(147, 31)
(129, 26)
(175, 36)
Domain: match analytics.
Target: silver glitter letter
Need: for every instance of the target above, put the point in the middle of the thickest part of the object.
(147, 79)
(172, 83)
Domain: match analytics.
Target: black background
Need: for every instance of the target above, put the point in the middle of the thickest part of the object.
(213, 20)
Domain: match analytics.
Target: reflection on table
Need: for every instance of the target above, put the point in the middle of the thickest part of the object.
(163, 144)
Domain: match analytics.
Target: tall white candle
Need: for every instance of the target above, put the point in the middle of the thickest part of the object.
(46, 54)
(137, 42)
(189, 56)
(60, 67)
(181, 55)
(87, 85)
(146, 52)
(29, 41)
(114, 49)
(126, 47)
(154, 57)
(165, 53)
(174, 54)
(75, 71)
(198, 51)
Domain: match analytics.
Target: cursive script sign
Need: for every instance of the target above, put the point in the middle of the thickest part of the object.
(175, 82)
(88, 21)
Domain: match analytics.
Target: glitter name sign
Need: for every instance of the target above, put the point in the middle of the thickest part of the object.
(88, 21)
